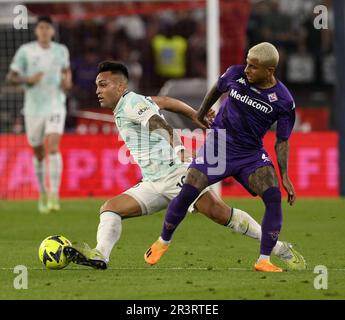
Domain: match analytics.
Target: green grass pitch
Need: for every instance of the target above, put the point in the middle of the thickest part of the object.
(205, 261)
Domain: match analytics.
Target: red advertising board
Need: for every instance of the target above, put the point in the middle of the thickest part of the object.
(92, 166)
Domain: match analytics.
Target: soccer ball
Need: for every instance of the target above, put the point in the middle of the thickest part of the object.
(51, 252)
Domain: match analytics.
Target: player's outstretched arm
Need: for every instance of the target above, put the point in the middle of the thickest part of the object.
(178, 106)
(211, 97)
(282, 152)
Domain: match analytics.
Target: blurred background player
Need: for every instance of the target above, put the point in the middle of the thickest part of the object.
(161, 156)
(256, 100)
(43, 67)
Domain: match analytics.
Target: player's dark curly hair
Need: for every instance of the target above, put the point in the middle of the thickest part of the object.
(115, 67)
(46, 19)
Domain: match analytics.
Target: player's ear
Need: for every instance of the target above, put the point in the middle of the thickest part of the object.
(123, 84)
(271, 70)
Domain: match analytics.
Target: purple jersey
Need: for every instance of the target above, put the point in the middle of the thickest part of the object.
(249, 112)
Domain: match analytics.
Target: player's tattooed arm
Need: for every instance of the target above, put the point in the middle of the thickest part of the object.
(282, 152)
(174, 105)
(13, 77)
(158, 125)
(178, 106)
(211, 97)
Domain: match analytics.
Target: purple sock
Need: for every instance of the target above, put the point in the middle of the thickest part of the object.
(177, 210)
(272, 221)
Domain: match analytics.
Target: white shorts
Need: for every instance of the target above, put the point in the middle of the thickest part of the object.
(37, 127)
(154, 196)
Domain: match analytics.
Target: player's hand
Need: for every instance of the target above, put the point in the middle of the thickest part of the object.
(32, 80)
(203, 124)
(211, 114)
(289, 188)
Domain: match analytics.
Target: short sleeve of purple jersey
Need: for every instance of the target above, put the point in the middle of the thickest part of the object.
(286, 122)
(223, 83)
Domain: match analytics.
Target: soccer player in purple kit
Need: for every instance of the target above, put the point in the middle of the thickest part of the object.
(256, 100)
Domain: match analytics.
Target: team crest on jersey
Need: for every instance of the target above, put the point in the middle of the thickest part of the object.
(241, 81)
(272, 97)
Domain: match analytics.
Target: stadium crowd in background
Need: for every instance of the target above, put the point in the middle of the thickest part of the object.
(146, 44)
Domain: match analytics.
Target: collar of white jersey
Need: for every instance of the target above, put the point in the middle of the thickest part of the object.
(48, 48)
(121, 99)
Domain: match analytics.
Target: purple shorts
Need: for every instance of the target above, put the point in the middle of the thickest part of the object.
(218, 159)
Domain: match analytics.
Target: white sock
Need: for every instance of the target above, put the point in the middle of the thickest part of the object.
(108, 233)
(243, 223)
(55, 170)
(40, 172)
(164, 241)
(263, 257)
(277, 247)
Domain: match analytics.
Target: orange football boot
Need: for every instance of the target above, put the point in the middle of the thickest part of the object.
(266, 266)
(155, 252)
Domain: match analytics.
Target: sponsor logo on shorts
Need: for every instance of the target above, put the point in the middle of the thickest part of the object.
(265, 158)
(252, 102)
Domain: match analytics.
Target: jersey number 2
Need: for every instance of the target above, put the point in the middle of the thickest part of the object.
(55, 118)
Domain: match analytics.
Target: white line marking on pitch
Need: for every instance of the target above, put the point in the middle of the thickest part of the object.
(164, 268)
(145, 268)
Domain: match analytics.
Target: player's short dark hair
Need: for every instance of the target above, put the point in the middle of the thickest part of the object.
(115, 67)
(46, 19)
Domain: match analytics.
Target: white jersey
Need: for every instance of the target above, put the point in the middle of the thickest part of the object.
(46, 96)
(152, 152)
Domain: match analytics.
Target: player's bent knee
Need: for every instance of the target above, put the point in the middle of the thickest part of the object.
(109, 206)
(39, 152)
(123, 205)
(53, 151)
(196, 179)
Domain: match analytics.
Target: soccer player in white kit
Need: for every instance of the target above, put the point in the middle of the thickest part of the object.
(43, 67)
(159, 154)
